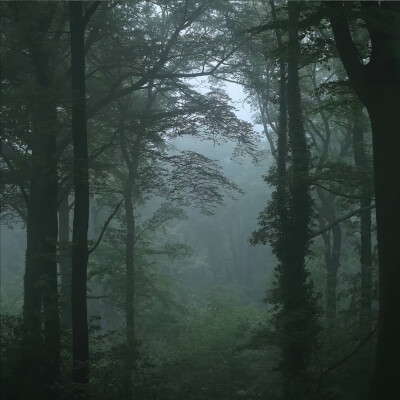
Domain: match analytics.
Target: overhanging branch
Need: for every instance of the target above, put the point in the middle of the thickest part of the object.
(339, 220)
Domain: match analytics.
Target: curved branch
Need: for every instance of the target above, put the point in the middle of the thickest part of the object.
(347, 50)
(104, 228)
(343, 360)
(90, 11)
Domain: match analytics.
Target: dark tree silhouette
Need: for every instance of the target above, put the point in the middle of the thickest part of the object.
(377, 84)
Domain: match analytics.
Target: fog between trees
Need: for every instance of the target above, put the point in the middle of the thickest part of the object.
(155, 244)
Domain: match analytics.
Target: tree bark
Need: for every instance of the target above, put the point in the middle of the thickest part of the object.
(297, 318)
(332, 266)
(81, 208)
(385, 121)
(378, 85)
(332, 262)
(282, 146)
(332, 251)
(41, 365)
(40, 281)
(65, 263)
(130, 264)
(130, 285)
(362, 164)
(131, 157)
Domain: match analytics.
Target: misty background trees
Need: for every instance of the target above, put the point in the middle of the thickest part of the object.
(188, 200)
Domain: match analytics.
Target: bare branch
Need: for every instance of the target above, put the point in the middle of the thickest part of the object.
(341, 194)
(105, 227)
(343, 360)
(339, 220)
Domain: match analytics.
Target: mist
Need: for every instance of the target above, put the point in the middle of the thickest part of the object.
(199, 200)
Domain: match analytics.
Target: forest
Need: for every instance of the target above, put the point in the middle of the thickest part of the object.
(200, 200)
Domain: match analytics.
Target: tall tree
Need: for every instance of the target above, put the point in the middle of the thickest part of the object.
(41, 359)
(296, 291)
(130, 153)
(377, 84)
(362, 165)
(78, 19)
(296, 315)
(64, 261)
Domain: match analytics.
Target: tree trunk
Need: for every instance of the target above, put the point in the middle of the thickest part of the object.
(32, 346)
(42, 364)
(282, 152)
(377, 86)
(130, 265)
(131, 158)
(332, 266)
(385, 121)
(282, 149)
(297, 317)
(65, 263)
(40, 281)
(332, 251)
(81, 208)
(130, 287)
(362, 164)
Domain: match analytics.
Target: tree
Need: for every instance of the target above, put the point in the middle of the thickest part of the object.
(362, 165)
(376, 83)
(64, 260)
(78, 20)
(41, 358)
(296, 313)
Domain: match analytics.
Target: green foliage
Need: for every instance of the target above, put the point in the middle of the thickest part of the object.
(10, 356)
(206, 358)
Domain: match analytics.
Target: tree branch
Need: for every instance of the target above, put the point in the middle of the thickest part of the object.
(104, 228)
(338, 193)
(343, 360)
(346, 48)
(339, 220)
(90, 11)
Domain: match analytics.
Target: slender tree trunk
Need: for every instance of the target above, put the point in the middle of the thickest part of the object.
(81, 189)
(130, 276)
(130, 265)
(332, 251)
(363, 167)
(65, 263)
(130, 286)
(131, 159)
(282, 149)
(332, 266)
(237, 253)
(331, 286)
(130, 154)
(52, 340)
(32, 345)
